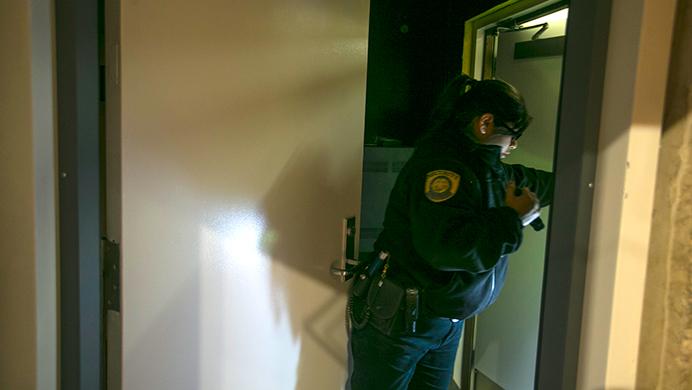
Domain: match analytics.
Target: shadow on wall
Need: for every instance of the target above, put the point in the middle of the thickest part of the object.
(303, 211)
(302, 201)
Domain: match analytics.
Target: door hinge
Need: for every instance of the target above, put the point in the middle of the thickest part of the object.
(111, 275)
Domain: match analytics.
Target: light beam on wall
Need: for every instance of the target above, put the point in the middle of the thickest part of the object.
(246, 336)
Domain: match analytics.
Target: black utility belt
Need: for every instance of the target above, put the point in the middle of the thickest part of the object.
(383, 302)
(427, 313)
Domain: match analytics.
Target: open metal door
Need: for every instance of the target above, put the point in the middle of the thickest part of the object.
(574, 163)
(507, 333)
(530, 337)
(240, 148)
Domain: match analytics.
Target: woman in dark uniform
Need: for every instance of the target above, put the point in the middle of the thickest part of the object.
(454, 214)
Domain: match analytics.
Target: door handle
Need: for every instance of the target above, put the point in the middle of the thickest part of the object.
(342, 268)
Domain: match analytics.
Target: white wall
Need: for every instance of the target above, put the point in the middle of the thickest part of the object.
(636, 74)
(242, 131)
(28, 358)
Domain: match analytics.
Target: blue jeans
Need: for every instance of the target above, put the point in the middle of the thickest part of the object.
(424, 360)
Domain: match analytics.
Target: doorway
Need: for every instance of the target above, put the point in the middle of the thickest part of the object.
(508, 346)
(526, 50)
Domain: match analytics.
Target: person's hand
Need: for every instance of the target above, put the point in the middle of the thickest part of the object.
(525, 203)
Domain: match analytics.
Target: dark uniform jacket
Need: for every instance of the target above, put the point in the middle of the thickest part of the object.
(447, 228)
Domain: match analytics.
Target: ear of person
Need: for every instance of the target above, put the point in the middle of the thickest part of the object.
(484, 125)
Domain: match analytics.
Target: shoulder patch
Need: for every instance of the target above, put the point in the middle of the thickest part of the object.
(441, 185)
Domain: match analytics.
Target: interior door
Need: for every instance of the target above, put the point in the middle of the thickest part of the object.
(506, 338)
(241, 142)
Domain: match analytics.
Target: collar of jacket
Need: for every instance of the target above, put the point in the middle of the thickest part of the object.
(487, 155)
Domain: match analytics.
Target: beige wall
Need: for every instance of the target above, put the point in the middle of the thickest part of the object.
(242, 132)
(665, 357)
(17, 283)
(636, 72)
(27, 202)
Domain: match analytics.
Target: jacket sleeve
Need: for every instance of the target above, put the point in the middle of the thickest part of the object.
(539, 182)
(459, 234)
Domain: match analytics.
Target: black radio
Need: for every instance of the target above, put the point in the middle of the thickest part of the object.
(362, 279)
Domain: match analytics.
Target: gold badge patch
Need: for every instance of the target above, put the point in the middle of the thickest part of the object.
(441, 185)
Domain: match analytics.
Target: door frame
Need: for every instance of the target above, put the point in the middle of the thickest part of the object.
(575, 154)
(80, 193)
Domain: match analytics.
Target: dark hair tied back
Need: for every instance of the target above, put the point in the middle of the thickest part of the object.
(465, 98)
(467, 82)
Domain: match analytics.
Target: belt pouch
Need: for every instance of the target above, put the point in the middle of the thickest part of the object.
(364, 275)
(385, 302)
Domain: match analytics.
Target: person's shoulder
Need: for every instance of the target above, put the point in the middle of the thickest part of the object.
(427, 170)
(425, 161)
(434, 155)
